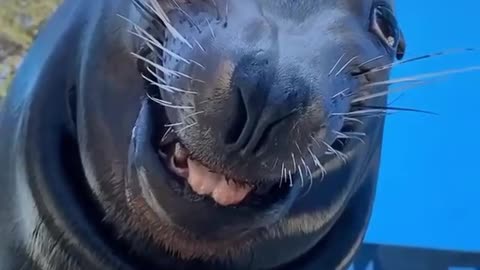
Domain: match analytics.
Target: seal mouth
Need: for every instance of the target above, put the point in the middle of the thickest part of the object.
(196, 181)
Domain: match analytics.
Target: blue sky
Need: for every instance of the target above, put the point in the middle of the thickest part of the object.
(429, 189)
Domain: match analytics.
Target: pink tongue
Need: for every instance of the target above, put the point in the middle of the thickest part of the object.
(215, 185)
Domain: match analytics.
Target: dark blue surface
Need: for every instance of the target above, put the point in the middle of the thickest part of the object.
(429, 190)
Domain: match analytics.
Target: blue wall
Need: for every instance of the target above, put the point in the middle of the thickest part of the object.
(429, 190)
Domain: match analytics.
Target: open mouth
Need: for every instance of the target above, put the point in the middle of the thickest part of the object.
(195, 181)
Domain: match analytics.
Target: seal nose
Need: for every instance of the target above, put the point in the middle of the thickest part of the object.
(255, 112)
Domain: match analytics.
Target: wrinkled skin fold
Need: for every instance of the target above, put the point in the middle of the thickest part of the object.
(88, 181)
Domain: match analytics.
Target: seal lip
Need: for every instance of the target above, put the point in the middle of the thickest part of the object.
(148, 178)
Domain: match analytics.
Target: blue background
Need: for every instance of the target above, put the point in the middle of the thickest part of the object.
(429, 189)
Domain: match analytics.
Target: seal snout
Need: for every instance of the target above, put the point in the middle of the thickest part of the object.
(252, 117)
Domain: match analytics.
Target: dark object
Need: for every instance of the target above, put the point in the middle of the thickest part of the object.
(389, 257)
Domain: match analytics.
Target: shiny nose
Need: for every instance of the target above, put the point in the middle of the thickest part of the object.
(258, 108)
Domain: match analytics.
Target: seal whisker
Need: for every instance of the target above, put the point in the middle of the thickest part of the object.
(174, 89)
(301, 175)
(189, 116)
(149, 38)
(386, 92)
(227, 11)
(198, 64)
(309, 173)
(298, 147)
(371, 60)
(417, 58)
(294, 162)
(341, 93)
(275, 163)
(354, 133)
(157, 66)
(158, 77)
(168, 88)
(389, 108)
(346, 65)
(310, 185)
(166, 133)
(189, 18)
(417, 78)
(193, 114)
(200, 46)
(168, 104)
(336, 64)
(281, 174)
(211, 29)
(155, 83)
(318, 163)
(351, 119)
(158, 10)
(335, 152)
(139, 4)
(341, 135)
(360, 112)
(339, 154)
(187, 127)
(214, 3)
(290, 177)
(165, 70)
(174, 124)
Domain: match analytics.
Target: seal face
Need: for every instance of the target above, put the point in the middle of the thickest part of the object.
(227, 133)
(247, 96)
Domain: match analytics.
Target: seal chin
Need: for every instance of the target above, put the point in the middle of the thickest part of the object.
(185, 193)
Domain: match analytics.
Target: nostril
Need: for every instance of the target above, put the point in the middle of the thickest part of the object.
(239, 119)
(263, 139)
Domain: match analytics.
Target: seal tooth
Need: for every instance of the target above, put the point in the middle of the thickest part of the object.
(180, 154)
(201, 180)
(229, 193)
(224, 191)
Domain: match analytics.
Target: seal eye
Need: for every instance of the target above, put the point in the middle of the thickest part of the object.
(385, 26)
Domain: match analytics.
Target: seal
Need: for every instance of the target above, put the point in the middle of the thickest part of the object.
(218, 134)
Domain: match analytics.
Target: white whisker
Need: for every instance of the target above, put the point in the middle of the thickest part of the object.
(371, 60)
(211, 29)
(150, 39)
(290, 177)
(341, 93)
(336, 64)
(346, 65)
(157, 66)
(417, 78)
(318, 163)
(158, 10)
(386, 92)
(193, 114)
(168, 103)
(166, 134)
(361, 112)
(174, 124)
(281, 175)
(153, 73)
(275, 163)
(416, 58)
(293, 158)
(301, 174)
(333, 151)
(187, 127)
(351, 119)
(309, 172)
(200, 46)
